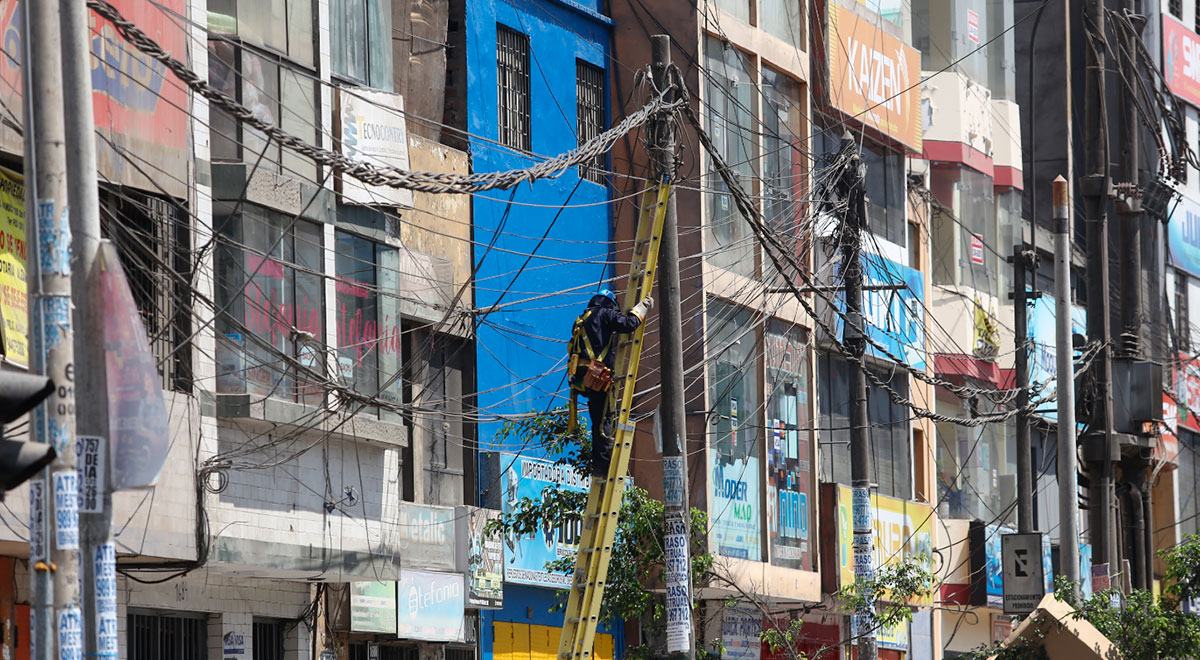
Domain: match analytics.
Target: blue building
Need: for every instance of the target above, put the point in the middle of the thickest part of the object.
(540, 252)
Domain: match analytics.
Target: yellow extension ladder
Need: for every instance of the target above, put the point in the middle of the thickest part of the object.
(604, 499)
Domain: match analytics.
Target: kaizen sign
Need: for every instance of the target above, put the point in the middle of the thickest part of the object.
(1024, 572)
(874, 77)
(1181, 60)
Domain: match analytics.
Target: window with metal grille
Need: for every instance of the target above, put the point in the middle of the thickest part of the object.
(1175, 7)
(589, 108)
(1182, 327)
(512, 88)
(154, 636)
(460, 653)
(359, 651)
(153, 239)
(268, 640)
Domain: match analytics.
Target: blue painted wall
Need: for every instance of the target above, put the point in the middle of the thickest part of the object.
(521, 355)
(521, 349)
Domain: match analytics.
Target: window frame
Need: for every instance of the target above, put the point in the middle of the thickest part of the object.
(589, 114)
(187, 623)
(513, 104)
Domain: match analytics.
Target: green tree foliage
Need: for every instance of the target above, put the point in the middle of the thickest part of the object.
(637, 556)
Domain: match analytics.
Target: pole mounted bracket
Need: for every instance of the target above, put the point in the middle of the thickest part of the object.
(1095, 185)
(1127, 197)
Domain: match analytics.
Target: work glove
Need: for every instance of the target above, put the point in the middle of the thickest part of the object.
(639, 310)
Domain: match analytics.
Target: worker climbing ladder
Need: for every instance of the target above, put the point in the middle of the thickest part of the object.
(604, 499)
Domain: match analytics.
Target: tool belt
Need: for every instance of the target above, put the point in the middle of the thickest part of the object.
(586, 370)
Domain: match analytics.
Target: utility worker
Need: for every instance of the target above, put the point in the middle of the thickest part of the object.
(590, 367)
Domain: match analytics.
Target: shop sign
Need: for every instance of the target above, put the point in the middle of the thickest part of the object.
(481, 557)
(373, 607)
(741, 633)
(1043, 365)
(789, 468)
(430, 606)
(1183, 229)
(534, 479)
(1186, 378)
(874, 77)
(1181, 60)
(903, 533)
(734, 507)
(139, 107)
(14, 291)
(895, 319)
(373, 131)
(425, 535)
(973, 35)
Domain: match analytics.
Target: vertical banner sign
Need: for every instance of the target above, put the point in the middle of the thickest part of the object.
(976, 249)
(70, 634)
(973, 35)
(66, 511)
(90, 465)
(480, 557)
(139, 435)
(864, 554)
(679, 599)
(672, 481)
(104, 570)
(37, 520)
(14, 291)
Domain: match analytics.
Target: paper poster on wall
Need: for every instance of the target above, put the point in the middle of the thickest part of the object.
(14, 300)
(741, 633)
(734, 508)
(373, 607)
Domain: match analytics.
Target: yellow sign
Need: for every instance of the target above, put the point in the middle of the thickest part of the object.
(14, 293)
(903, 533)
(874, 77)
(987, 334)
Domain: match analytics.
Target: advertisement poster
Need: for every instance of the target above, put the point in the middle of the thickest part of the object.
(530, 478)
(874, 76)
(1183, 229)
(734, 507)
(140, 108)
(789, 469)
(374, 131)
(741, 633)
(1181, 48)
(430, 606)
(139, 434)
(903, 532)
(1043, 365)
(678, 579)
(481, 557)
(14, 291)
(895, 319)
(987, 333)
(373, 607)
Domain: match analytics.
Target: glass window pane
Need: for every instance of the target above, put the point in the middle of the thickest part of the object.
(299, 118)
(735, 507)
(268, 302)
(260, 93)
(348, 34)
(732, 105)
(789, 472)
(357, 314)
(783, 19)
(300, 31)
(739, 9)
(310, 311)
(264, 23)
(390, 338)
(783, 160)
(222, 75)
(222, 16)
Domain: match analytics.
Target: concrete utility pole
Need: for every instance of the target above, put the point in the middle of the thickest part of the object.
(1025, 485)
(1100, 449)
(98, 554)
(54, 422)
(676, 503)
(853, 189)
(1068, 483)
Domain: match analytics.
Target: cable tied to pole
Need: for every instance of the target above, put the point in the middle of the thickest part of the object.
(429, 182)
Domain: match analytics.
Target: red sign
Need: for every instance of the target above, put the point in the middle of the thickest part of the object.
(1181, 60)
(140, 107)
(976, 249)
(972, 26)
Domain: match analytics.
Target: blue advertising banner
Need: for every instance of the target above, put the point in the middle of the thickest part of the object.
(430, 606)
(529, 478)
(1183, 235)
(1043, 367)
(895, 319)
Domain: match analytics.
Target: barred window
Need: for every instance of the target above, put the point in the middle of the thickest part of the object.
(153, 636)
(589, 108)
(512, 88)
(268, 640)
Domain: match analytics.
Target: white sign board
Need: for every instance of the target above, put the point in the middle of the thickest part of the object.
(678, 575)
(373, 131)
(89, 463)
(1023, 572)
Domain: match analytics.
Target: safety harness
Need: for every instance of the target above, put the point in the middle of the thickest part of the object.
(598, 378)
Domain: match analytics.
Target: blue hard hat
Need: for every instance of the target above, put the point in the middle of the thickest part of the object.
(607, 293)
